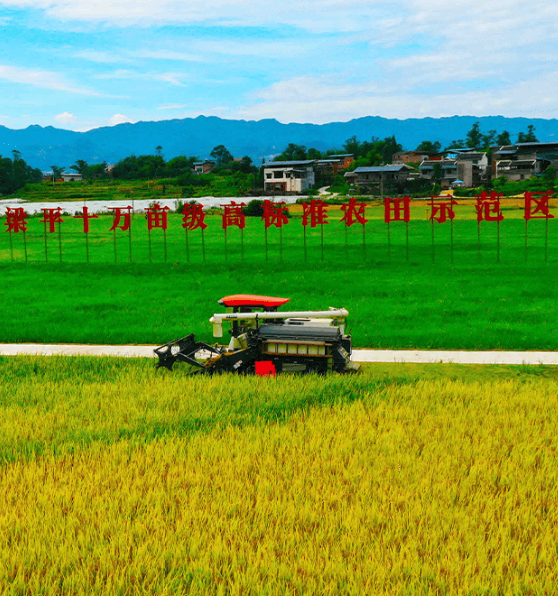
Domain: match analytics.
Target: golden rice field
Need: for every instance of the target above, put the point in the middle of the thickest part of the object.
(405, 480)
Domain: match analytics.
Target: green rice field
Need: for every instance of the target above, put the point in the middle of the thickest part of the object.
(455, 294)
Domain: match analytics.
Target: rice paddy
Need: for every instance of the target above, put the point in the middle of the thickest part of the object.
(406, 479)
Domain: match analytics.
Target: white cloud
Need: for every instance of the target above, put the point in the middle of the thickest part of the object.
(66, 118)
(172, 106)
(174, 78)
(118, 119)
(167, 55)
(101, 57)
(315, 15)
(41, 78)
(320, 100)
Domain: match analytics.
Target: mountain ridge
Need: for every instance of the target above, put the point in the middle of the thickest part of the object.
(43, 147)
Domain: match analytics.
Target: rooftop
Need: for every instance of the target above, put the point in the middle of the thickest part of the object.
(380, 169)
(282, 164)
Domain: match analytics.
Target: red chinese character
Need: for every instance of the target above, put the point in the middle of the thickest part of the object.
(233, 216)
(354, 213)
(51, 217)
(86, 217)
(537, 202)
(397, 209)
(488, 206)
(157, 216)
(119, 213)
(316, 211)
(193, 217)
(441, 211)
(15, 220)
(274, 214)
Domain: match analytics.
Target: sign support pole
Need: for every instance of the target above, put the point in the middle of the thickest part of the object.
(407, 239)
(266, 247)
(46, 244)
(526, 237)
(203, 246)
(451, 241)
(498, 244)
(546, 243)
(60, 240)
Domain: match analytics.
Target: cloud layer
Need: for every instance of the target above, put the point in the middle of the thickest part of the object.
(316, 61)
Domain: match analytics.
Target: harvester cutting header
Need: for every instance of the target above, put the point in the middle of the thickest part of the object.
(265, 341)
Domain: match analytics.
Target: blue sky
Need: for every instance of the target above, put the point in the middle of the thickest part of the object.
(83, 64)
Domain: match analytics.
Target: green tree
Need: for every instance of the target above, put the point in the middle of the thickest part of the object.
(97, 171)
(488, 139)
(437, 174)
(503, 139)
(293, 152)
(56, 172)
(352, 146)
(180, 165)
(474, 136)
(429, 147)
(80, 167)
(529, 137)
(549, 176)
(221, 155)
(313, 154)
(456, 145)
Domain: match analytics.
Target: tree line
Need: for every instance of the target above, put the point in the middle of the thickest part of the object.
(15, 172)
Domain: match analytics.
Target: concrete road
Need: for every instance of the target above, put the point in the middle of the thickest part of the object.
(384, 356)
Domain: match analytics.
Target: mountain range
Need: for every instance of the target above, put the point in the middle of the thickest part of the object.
(42, 147)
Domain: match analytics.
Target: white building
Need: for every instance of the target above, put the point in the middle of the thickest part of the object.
(289, 176)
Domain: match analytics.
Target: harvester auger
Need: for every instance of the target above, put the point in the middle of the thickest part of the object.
(265, 341)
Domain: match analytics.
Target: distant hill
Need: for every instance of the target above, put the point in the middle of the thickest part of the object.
(44, 147)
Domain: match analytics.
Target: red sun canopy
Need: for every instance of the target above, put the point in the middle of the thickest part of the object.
(251, 300)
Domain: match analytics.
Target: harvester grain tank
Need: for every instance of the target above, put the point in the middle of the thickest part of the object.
(265, 341)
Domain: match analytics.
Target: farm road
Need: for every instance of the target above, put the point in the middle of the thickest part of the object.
(381, 356)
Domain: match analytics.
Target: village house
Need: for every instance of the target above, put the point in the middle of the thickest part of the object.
(405, 157)
(289, 176)
(379, 177)
(203, 167)
(326, 169)
(523, 160)
(447, 169)
(473, 167)
(71, 177)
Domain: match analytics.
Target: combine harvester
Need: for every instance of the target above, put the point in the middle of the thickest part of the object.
(266, 342)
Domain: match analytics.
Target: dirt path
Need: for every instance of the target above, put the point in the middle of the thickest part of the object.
(385, 356)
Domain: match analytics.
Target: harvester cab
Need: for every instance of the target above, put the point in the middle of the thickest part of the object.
(266, 341)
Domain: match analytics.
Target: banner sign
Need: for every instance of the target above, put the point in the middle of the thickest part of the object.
(440, 210)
